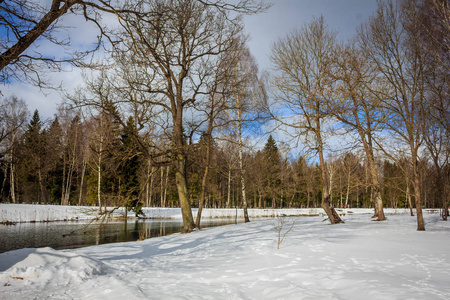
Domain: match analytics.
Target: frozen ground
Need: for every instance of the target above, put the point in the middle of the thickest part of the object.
(360, 259)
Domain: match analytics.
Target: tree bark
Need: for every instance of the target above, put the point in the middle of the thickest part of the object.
(82, 181)
(417, 194)
(329, 209)
(12, 177)
(180, 166)
(24, 42)
(205, 173)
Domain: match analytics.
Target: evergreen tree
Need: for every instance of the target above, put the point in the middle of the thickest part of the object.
(54, 157)
(31, 175)
(272, 161)
(130, 161)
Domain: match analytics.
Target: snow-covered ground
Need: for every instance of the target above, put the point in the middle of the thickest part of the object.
(42, 213)
(360, 259)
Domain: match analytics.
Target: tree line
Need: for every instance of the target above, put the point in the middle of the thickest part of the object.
(63, 161)
(170, 110)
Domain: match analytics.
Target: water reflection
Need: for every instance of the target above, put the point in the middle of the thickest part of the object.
(69, 235)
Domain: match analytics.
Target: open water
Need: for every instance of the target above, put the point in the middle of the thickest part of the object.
(69, 235)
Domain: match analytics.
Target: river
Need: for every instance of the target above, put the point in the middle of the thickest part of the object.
(69, 235)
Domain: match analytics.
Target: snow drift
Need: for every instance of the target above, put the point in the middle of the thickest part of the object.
(360, 259)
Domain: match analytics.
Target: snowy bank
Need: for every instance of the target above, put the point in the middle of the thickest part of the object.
(356, 260)
(17, 213)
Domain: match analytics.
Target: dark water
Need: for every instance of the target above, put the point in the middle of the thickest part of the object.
(69, 235)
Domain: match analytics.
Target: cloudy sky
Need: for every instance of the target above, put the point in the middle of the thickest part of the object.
(343, 16)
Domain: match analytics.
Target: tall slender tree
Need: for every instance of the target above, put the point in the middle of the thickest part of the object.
(357, 108)
(245, 91)
(301, 90)
(391, 42)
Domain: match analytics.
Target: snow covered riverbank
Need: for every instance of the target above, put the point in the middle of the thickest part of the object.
(44, 213)
(360, 259)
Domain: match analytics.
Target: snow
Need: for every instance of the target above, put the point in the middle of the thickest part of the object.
(360, 259)
(17, 213)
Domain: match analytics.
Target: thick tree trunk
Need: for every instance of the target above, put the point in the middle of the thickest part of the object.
(180, 177)
(329, 210)
(445, 211)
(417, 195)
(375, 193)
(375, 190)
(180, 169)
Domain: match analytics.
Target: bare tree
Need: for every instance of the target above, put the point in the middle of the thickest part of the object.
(302, 89)
(391, 43)
(212, 110)
(245, 91)
(434, 18)
(27, 22)
(357, 108)
(13, 115)
(163, 66)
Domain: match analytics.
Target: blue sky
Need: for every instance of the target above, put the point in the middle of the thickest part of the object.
(264, 29)
(343, 16)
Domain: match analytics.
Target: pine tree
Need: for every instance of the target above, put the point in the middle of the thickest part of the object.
(54, 157)
(32, 163)
(130, 161)
(272, 161)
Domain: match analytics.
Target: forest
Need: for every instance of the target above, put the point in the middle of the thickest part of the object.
(173, 111)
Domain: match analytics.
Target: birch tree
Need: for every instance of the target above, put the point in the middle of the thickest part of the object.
(13, 114)
(245, 90)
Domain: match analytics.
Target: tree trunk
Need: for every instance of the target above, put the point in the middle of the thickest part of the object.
(408, 197)
(417, 195)
(329, 210)
(152, 173)
(180, 177)
(12, 179)
(180, 168)
(99, 182)
(166, 185)
(205, 174)
(41, 185)
(375, 189)
(202, 197)
(82, 181)
(229, 188)
(445, 212)
(260, 199)
(348, 190)
(63, 186)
